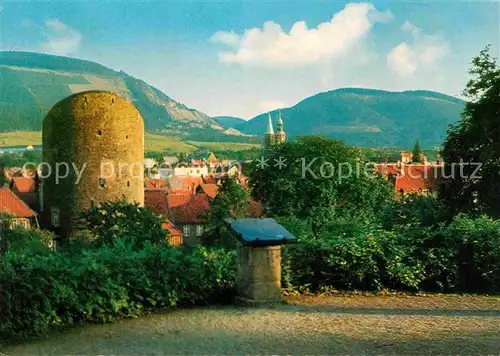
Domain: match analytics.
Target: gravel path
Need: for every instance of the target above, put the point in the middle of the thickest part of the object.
(307, 325)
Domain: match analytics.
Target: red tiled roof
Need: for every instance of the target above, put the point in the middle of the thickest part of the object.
(412, 178)
(210, 180)
(177, 182)
(171, 229)
(180, 191)
(198, 163)
(175, 200)
(155, 183)
(209, 189)
(23, 184)
(188, 209)
(243, 179)
(11, 204)
(156, 201)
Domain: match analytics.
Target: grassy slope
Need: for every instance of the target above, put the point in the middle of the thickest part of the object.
(156, 143)
(20, 138)
(236, 146)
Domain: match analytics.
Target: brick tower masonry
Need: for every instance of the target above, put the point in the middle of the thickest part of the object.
(93, 149)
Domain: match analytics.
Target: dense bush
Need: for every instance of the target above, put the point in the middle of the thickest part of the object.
(43, 291)
(119, 220)
(458, 256)
(475, 243)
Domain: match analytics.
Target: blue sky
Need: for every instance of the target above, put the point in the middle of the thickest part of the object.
(242, 58)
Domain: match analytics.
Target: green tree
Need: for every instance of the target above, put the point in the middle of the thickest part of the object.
(417, 154)
(323, 180)
(231, 202)
(121, 220)
(471, 152)
(157, 156)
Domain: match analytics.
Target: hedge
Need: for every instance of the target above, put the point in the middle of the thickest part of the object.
(52, 290)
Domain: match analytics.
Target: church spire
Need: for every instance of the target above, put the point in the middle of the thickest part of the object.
(280, 136)
(270, 129)
(280, 122)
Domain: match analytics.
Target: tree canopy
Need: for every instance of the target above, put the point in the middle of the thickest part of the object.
(115, 220)
(231, 202)
(471, 149)
(320, 179)
(417, 153)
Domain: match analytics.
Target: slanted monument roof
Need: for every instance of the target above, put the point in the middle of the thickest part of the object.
(260, 232)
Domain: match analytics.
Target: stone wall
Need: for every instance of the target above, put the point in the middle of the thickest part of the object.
(102, 134)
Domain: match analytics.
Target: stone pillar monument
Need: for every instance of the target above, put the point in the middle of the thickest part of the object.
(259, 259)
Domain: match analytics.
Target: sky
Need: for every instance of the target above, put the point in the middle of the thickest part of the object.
(243, 58)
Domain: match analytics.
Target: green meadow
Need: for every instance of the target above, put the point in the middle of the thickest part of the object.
(152, 142)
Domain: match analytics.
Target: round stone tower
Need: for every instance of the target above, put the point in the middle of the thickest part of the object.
(93, 151)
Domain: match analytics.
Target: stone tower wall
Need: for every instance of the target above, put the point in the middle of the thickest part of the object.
(280, 137)
(269, 141)
(102, 134)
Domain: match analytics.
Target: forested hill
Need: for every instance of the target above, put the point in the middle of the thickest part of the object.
(31, 83)
(368, 117)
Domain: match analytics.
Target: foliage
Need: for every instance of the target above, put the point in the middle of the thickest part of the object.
(413, 210)
(231, 202)
(417, 153)
(461, 255)
(19, 159)
(157, 156)
(471, 153)
(30, 240)
(112, 221)
(324, 179)
(476, 246)
(40, 292)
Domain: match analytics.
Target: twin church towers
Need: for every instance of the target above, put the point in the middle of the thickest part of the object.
(272, 139)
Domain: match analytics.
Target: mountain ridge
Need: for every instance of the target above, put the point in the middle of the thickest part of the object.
(368, 117)
(33, 82)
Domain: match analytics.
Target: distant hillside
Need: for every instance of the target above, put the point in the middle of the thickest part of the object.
(229, 122)
(367, 117)
(31, 83)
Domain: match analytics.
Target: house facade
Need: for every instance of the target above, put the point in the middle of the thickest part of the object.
(186, 212)
(20, 213)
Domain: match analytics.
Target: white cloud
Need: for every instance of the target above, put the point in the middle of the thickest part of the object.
(228, 38)
(270, 105)
(60, 38)
(425, 52)
(272, 47)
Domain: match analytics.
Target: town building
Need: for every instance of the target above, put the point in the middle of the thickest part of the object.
(175, 237)
(412, 178)
(195, 169)
(22, 215)
(187, 212)
(27, 189)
